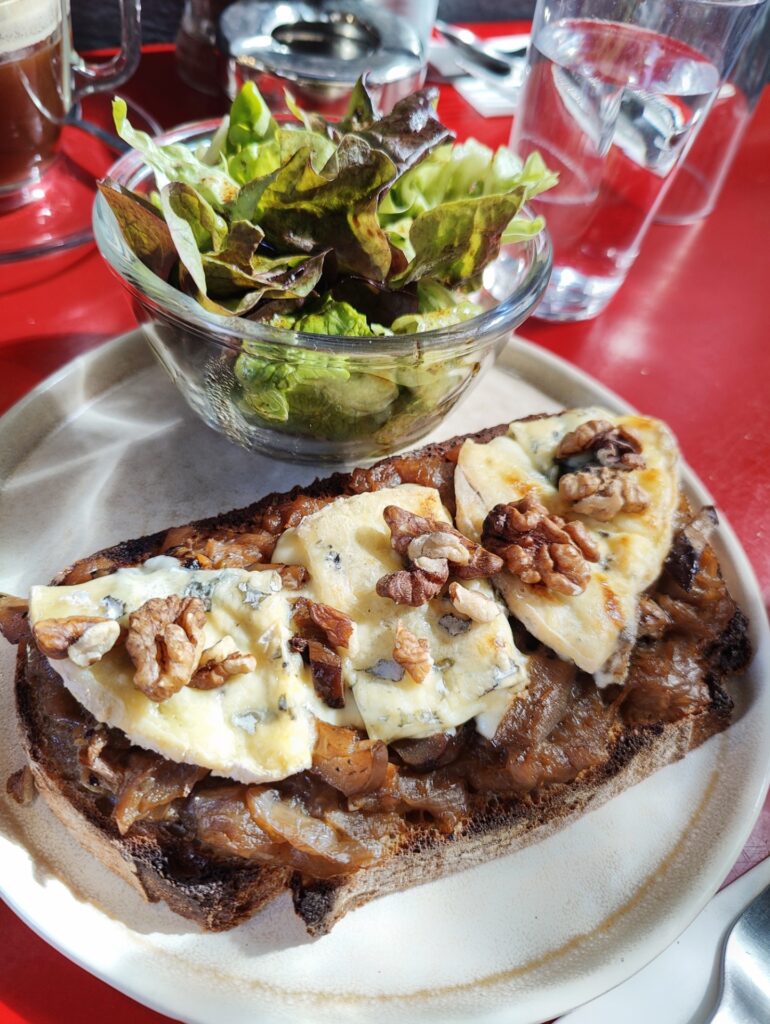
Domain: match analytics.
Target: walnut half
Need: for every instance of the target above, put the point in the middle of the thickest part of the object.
(600, 442)
(602, 493)
(432, 550)
(412, 653)
(475, 606)
(82, 638)
(220, 663)
(165, 640)
(540, 548)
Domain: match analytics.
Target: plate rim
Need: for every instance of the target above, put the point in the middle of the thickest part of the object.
(130, 343)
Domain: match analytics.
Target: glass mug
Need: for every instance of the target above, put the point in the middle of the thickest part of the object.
(41, 79)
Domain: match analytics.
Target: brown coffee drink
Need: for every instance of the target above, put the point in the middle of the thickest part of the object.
(31, 109)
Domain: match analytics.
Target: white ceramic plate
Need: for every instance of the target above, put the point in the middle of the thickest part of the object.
(106, 450)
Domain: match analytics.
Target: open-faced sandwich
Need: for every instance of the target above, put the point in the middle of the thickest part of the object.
(390, 675)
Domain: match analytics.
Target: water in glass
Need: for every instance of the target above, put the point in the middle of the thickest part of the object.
(611, 107)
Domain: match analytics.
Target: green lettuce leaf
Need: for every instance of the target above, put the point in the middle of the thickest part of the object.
(194, 225)
(178, 203)
(208, 228)
(333, 317)
(176, 162)
(455, 241)
(269, 375)
(451, 174)
(435, 319)
(145, 231)
(250, 119)
(317, 393)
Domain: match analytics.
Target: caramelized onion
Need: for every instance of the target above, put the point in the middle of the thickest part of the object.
(533, 716)
(223, 823)
(348, 763)
(149, 785)
(431, 751)
(665, 683)
(317, 847)
(444, 800)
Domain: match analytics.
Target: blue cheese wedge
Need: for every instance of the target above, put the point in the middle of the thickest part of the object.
(594, 629)
(475, 668)
(259, 726)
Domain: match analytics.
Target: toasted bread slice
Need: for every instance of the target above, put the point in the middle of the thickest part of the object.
(219, 892)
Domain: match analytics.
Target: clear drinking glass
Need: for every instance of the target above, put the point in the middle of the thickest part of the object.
(615, 90)
(694, 192)
(41, 79)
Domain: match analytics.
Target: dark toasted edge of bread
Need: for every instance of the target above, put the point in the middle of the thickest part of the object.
(158, 865)
(637, 753)
(229, 892)
(232, 892)
(136, 550)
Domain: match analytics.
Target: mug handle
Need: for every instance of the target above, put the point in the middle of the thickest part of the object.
(89, 78)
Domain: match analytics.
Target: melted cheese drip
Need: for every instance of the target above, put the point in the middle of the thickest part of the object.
(594, 629)
(347, 548)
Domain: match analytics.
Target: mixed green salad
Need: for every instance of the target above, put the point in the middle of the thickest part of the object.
(364, 227)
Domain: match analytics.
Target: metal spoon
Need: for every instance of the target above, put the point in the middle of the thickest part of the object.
(744, 996)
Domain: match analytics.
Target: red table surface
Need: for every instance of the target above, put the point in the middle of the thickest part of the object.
(686, 339)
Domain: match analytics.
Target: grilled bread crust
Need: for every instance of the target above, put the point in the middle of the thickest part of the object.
(218, 894)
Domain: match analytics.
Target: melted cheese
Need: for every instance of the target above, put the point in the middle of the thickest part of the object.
(258, 726)
(347, 548)
(594, 629)
(261, 725)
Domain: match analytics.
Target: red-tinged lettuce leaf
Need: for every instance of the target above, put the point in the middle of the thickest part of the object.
(362, 110)
(145, 231)
(240, 245)
(276, 309)
(208, 228)
(236, 305)
(286, 277)
(455, 241)
(302, 210)
(380, 304)
(410, 131)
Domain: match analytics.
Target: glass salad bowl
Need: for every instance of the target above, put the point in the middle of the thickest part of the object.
(312, 397)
